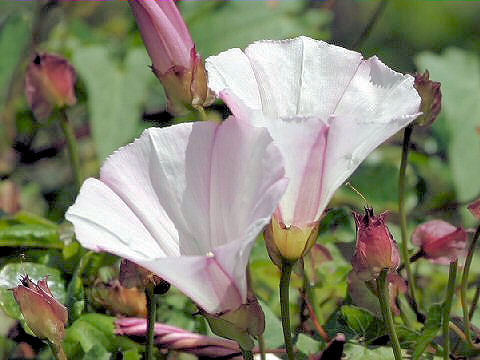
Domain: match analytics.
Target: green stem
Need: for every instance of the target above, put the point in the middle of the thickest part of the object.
(384, 298)
(452, 276)
(371, 24)
(151, 318)
(463, 287)
(57, 351)
(474, 303)
(72, 148)
(285, 306)
(75, 284)
(247, 354)
(403, 215)
(261, 347)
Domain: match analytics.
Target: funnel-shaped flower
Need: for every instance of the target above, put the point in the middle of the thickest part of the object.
(44, 314)
(376, 249)
(326, 108)
(49, 82)
(170, 46)
(187, 203)
(440, 241)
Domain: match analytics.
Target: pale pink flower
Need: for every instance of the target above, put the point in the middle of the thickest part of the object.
(326, 108)
(440, 241)
(187, 203)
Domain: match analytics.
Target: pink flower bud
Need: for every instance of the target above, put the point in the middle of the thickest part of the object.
(431, 96)
(376, 249)
(170, 46)
(440, 241)
(173, 338)
(44, 314)
(475, 208)
(49, 83)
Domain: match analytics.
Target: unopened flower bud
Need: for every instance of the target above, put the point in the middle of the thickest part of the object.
(133, 275)
(44, 314)
(431, 96)
(170, 46)
(173, 338)
(49, 83)
(289, 243)
(440, 241)
(475, 208)
(120, 300)
(376, 249)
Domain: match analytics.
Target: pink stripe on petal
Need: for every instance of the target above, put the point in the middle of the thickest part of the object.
(308, 201)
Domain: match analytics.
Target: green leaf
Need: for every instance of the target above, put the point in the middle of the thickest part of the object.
(307, 345)
(272, 336)
(10, 278)
(116, 94)
(6, 347)
(239, 23)
(132, 354)
(354, 351)
(14, 35)
(30, 235)
(362, 322)
(92, 331)
(430, 330)
(97, 352)
(459, 73)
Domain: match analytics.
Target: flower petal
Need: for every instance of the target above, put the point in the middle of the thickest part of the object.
(201, 278)
(202, 190)
(103, 222)
(377, 103)
(149, 176)
(247, 181)
(362, 101)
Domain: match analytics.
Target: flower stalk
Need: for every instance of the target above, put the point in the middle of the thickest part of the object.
(73, 153)
(446, 309)
(463, 287)
(261, 347)
(403, 216)
(384, 299)
(57, 351)
(151, 318)
(285, 306)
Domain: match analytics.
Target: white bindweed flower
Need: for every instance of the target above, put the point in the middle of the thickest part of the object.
(187, 203)
(326, 108)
